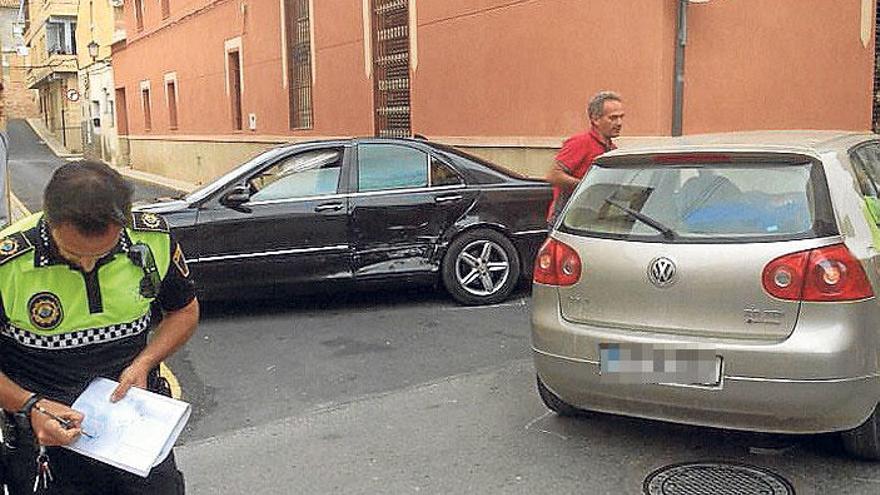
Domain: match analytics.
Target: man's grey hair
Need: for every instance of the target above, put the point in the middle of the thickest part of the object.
(596, 107)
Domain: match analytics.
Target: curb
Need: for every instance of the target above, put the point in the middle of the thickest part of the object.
(156, 179)
(63, 153)
(50, 141)
(19, 210)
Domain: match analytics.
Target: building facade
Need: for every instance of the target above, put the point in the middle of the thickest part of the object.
(99, 25)
(19, 101)
(51, 67)
(202, 84)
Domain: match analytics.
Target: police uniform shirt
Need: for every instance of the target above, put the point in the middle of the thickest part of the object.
(62, 370)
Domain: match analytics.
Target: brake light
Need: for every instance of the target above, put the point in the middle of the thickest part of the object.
(557, 264)
(825, 274)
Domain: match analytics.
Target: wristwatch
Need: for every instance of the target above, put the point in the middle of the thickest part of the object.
(29, 404)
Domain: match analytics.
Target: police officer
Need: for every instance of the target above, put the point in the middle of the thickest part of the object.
(76, 287)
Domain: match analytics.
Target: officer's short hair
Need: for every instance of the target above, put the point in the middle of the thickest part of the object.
(596, 107)
(89, 195)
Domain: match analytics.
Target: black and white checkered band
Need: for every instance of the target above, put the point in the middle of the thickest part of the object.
(77, 339)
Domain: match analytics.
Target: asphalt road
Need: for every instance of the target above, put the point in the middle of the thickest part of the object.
(403, 391)
(31, 164)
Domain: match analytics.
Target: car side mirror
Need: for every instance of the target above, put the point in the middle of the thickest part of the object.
(238, 195)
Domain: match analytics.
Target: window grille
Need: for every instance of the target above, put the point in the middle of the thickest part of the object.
(299, 66)
(235, 89)
(391, 88)
(148, 118)
(171, 93)
(139, 14)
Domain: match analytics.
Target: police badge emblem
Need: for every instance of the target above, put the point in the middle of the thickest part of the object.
(45, 310)
(8, 247)
(151, 220)
(13, 246)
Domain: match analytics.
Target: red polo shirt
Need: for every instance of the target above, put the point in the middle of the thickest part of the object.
(576, 155)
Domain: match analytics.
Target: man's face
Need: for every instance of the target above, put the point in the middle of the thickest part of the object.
(84, 250)
(611, 121)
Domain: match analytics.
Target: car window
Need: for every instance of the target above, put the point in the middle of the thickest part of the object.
(388, 166)
(312, 173)
(867, 168)
(442, 174)
(701, 202)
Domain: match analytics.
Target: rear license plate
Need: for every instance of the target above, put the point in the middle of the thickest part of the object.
(666, 365)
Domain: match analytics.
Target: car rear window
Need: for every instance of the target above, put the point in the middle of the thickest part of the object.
(734, 202)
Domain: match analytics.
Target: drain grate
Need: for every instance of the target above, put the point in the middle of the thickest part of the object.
(715, 478)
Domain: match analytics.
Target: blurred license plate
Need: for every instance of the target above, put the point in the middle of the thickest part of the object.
(668, 365)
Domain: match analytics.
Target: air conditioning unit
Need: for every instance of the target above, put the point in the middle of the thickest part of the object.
(117, 3)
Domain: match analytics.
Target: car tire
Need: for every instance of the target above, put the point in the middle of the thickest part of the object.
(480, 267)
(554, 403)
(864, 440)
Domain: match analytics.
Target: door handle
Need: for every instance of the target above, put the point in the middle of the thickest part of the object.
(447, 199)
(329, 207)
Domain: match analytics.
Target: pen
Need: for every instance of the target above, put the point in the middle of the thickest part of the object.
(66, 423)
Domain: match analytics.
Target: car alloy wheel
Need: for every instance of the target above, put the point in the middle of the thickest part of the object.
(482, 268)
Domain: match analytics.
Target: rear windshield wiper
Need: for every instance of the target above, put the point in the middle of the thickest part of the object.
(650, 222)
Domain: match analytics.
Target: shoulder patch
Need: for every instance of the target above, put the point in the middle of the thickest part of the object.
(180, 261)
(148, 222)
(13, 246)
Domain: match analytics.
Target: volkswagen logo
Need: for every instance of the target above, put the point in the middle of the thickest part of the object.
(661, 272)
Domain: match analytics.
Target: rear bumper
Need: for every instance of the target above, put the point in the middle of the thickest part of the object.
(789, 386)
(742, 404)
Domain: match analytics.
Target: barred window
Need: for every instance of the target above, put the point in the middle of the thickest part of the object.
(139, 14)
(145, 100)
(171, 95)
(391, 68)
(299, 66)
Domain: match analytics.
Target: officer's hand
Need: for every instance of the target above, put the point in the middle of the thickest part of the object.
(133, 376)
(49, 431)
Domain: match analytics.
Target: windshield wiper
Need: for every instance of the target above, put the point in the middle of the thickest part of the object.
(645, 219)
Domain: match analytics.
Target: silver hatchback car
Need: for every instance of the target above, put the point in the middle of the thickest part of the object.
(721, 280)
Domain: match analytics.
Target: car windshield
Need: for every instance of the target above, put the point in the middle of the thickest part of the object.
(205, 191)
(702, 202)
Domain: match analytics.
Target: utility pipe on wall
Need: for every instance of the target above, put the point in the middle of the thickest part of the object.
(678, 86)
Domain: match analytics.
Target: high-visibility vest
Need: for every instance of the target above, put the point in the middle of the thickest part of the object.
(52, 307)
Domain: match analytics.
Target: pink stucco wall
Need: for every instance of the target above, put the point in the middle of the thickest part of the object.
(501, 68)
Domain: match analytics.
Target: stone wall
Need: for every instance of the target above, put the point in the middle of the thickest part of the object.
(20, 102)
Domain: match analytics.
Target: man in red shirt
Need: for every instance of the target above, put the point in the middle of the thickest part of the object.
(578, 152)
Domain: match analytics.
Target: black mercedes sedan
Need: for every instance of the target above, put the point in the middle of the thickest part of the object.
(350, 212)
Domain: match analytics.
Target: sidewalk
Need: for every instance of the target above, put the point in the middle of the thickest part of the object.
(18, 210)
(61, 152)
(50, 140)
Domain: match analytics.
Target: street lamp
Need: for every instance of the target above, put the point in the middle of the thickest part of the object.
(93, 49)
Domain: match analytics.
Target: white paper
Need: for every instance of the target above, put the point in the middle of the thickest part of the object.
(133, 434)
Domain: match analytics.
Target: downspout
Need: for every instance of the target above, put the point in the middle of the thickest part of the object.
(678, 88)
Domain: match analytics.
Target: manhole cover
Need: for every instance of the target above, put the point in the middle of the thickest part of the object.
(716, 478)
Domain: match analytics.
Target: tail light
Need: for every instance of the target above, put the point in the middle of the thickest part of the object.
(557, 264)
(825, 274)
